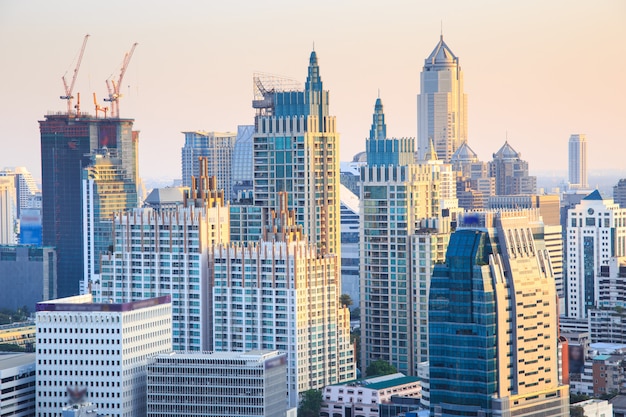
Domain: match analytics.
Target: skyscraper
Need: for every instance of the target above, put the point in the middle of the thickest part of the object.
(66, 145)
(296, 150)
(441, 104)
(281, 294)
(577, 161)
(397, 195)
(25, 186)
(493, 322)
(596, 231)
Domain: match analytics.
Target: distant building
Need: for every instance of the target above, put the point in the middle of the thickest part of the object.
(25, 187)
(28, 275)
(619, 193)
(474, 182)
(441, 104)
(577, 161)
(350, 256)
(218, 384)
(485, 358)
(511, 172)
(350, 172)
(218, 148)
(242, 176)
(365, 397)
(7, 211)
(596, 231)
(99, 353)
(17, 384)
(20, 334)
(167, 198)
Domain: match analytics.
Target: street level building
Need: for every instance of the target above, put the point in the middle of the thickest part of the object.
(98, 352)
(218, 384)
(17, 384)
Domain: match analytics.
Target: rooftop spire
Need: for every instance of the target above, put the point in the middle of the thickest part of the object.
(378, 130)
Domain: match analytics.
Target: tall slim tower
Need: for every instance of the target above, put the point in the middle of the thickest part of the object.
(441, 104)
(296, 150)
(578, 161)
(67, 142)
(493, 331)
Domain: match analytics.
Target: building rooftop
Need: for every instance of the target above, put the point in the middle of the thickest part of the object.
(595, 195)
(84, 304)
(381, 382)
(12, 360)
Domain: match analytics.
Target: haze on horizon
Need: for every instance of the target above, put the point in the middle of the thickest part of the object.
(535, 72)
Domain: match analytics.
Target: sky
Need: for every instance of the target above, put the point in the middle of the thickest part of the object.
(535, 72)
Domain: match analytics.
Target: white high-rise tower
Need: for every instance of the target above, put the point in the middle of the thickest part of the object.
(441, 104)
(578, 161)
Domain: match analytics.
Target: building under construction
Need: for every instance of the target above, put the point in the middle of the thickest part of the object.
(68, 141)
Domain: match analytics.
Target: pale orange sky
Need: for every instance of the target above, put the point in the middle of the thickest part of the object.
(536, 71)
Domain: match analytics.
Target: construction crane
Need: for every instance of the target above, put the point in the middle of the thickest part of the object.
(114, 87)
(99, 107)
(68, 89)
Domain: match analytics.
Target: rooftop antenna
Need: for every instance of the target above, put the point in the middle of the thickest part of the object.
(379, 93)
(314, 45)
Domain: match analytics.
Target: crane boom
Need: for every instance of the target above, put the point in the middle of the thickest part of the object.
(69, 89)
(114, 86)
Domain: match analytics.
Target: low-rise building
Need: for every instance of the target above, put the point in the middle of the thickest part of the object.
(364, 398)
(17, 384)
(218, 384)
(595, 408)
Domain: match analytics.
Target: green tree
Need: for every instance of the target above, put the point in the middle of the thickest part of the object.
(9, 347)
(576, 412)
(380, 367)
(310, 404)
(345, 300)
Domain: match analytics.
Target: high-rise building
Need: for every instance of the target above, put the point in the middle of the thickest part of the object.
(596, 231)
(396, 198)
(106, 190)
(218, 384)
(217, 147)
(296, 150)
(99, 352)
(382, 151)
(441, 104)
(493, 328)
(281, 294)
(7, 211)
(165, 252)
(66, 145)
(17, 384)
(577, 161)
(511, 172)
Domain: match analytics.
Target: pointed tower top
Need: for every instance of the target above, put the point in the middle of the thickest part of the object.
(431, 155)
(378, 130)
(441, 55)
(313, 59)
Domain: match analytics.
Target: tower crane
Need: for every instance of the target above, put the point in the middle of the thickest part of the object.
(114, 87)
(68, 89)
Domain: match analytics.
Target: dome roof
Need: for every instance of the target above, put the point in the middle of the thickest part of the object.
(360, 157)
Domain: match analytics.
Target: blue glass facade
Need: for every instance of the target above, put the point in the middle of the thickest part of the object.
(462, 327)
(382, 151)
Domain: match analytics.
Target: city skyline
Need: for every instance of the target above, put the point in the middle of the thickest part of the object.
(211, 52)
